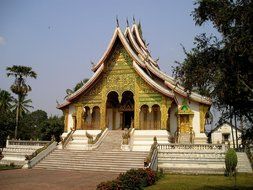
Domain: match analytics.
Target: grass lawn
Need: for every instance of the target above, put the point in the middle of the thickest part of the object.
(8, 167)
(185, 182)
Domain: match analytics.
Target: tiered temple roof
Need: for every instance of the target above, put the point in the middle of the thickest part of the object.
(143, 64)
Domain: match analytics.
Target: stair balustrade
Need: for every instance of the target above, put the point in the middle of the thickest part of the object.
(41, 154)
(66, 140)
(151, 161)
(25, 143)
(207, 147)
(99, 140)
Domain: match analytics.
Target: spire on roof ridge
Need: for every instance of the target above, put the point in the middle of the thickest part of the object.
(127, 22)
(117, 21)
(133, 20)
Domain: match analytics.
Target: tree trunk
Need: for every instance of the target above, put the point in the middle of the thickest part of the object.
(17, 117)
(232, 131)
(236, 135)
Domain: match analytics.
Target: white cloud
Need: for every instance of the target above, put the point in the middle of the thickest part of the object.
(2, 40)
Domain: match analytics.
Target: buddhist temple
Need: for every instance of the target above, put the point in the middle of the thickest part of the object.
(128, 90)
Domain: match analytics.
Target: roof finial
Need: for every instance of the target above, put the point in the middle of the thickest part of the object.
(117, 21)
(133, 19)
(127, 22)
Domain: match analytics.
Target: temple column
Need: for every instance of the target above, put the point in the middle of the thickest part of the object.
(136, 106)
(202, 111)
(166, 104)
(121, 120)
(66, 116)
(103, 108)
(113, 118)
(79, 116)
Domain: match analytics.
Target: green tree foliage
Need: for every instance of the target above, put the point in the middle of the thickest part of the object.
(19, 87)
(231, 161)
(31, 125)
(6, 101)
(7, 126)
(7, 118)
(222, 68)
(53, 126)
(77, 86)
(22, 105)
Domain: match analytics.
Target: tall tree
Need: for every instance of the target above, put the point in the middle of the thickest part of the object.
(6, 101)
(7, 119)
(22, 105)
(19, 87)
(222, 67)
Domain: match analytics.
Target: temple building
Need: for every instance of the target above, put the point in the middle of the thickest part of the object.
(128, 90)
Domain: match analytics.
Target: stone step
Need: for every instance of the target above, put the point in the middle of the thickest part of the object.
(193, 170)
(98, 153)
(97, 164)
(97, 157)
(243, 164)
(116, 170)
(92, 163)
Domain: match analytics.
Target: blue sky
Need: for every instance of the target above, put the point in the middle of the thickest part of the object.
(59, 38)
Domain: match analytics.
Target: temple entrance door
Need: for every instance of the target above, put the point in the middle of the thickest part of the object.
(127, 110)
(128, 119)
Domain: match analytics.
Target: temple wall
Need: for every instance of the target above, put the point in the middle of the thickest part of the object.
(194, 106)
(70, 118)
(173, 120)
(196, 118)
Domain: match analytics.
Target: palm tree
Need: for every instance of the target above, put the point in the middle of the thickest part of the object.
(19, 86)
(5, 101)
(22, 106)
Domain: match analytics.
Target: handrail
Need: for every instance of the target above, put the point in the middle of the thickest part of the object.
(66, 140)
(154, 160)
(151, 161)
(131, 134)
(41, 155)
(99, 141)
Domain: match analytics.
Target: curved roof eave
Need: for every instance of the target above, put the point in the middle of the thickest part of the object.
(143, 46)
(193, 96)
(108, 50)
(61, 106)
(83, 88)
(169, 81)
(151, 82)
(87, 84)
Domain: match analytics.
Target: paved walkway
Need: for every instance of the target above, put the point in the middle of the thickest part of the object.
(26, 179)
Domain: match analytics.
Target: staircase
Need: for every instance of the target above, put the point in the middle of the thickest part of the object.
(112, 141)
(143, 139)
(243, 164)
(185, 138)
(108, 157)
(110, 161)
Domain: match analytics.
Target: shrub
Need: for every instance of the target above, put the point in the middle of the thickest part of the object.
(231, 161)
(132, 179)
(110, 185)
